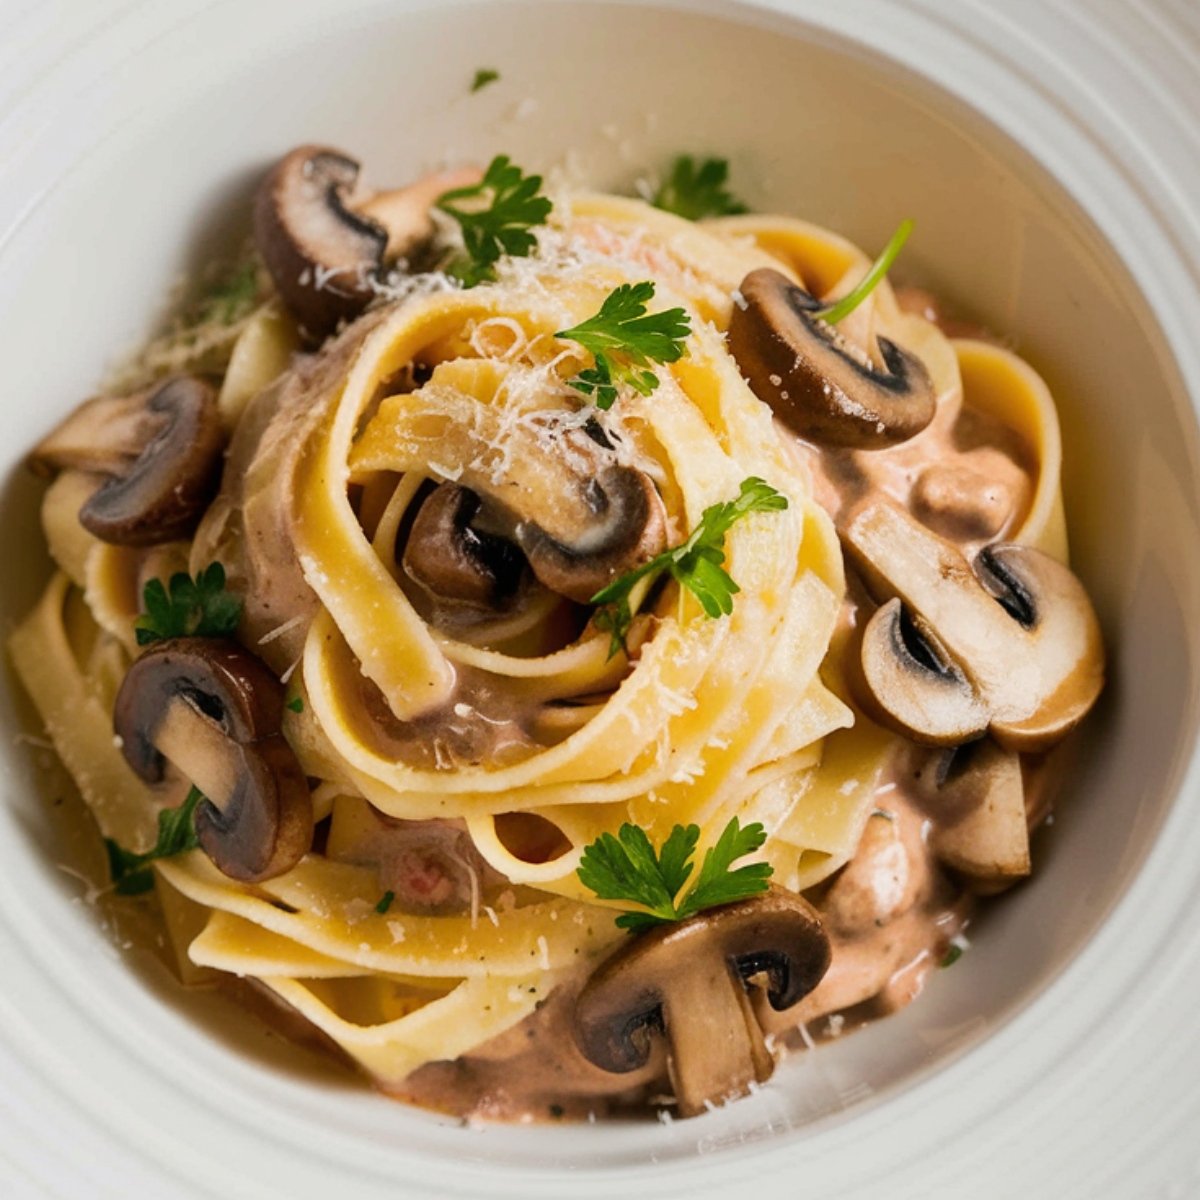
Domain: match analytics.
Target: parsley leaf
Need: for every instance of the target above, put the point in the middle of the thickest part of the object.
(193, 608)
(696, 564)
(176, 833)
(839, 310)
(513, 207)
(385, 902)
(627, 867)
(483, 77)
(296, 704)
(232, 298)
(625, 340)
(694, 190)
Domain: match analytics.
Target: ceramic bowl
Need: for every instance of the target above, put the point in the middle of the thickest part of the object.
(131, 159)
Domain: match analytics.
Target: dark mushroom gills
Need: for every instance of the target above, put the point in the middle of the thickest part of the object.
(214, 711)
(815, 382)
(688, 982)
(1008, 644)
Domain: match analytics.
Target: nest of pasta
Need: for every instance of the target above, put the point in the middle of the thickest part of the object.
(417, 514)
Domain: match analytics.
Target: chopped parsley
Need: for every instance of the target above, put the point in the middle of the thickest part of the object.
(625, 340)
(296, 704)
(628, 868)
(697, 189)
(385, 902)
(696, 564)
(952, 955)
(187, 607)
(232, 298)
(483, 77)
(131, 872)
(841, 309)
(502, 208)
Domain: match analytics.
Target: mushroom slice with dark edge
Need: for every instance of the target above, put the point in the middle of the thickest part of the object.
(323, 250)
(818, 384)
(688, 982)
(1009, 644)
(161, 451)
(456, 562)
(976, 797)
(581, 517)
(214, 710)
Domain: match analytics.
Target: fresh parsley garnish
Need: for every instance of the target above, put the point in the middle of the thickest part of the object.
(131, 872)
(483, 77)
(503, 207)
(697, 189)
(385, 902)
(232, 298)
(696, 564)
(199, 607)
(841, 309)
(953, 953)
(296, 704)
(626, 867)
(625, 340)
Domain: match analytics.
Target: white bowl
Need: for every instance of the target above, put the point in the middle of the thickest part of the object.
(1045, 206)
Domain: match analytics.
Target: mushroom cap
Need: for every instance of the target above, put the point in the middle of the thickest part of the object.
(1008, 644)
(214, 710)
(644, 985)
(976, 794)
(322, 255)
(456, 562)
(815, 382)
(161, 450)
(606, 525)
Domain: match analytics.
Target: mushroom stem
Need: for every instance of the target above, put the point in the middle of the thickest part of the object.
(818, 384)
(213, 710)
(1007, 644)
(688, 981)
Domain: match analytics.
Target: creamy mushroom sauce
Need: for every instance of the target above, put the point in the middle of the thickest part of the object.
(892, 913)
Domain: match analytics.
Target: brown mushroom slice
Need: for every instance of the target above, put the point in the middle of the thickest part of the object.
(581, 517)
(214, 710)
(976, 796)
(161, 452)
(1009, 644)
(688, 982)
(323, 250)
(103, 435)
(455, 561)
(818, 384)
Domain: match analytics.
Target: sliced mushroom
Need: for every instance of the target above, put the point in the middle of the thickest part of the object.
(160, 450)
(214, 710)
(976, 796)
(688, 982)
(818, 384)
(581, 517)
(1009, 644)
(325, 250)
(455, 561)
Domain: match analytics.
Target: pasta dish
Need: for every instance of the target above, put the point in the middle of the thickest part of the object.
(560, 651)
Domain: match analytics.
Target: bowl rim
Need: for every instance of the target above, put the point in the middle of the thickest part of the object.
(1136, 197)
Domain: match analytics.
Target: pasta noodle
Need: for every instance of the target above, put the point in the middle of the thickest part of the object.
(461, 757)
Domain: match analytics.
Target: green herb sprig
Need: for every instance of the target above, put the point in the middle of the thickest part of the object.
(199, 607)
(625, 339)
(483, 77)
(131, 872)
(696, 189)
(628, 868)
(232, 298)
(696, 564)
(841, 309)
(502, 208)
